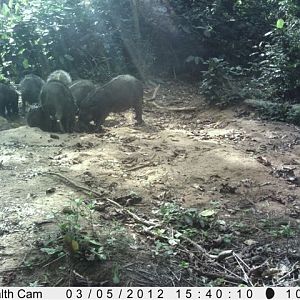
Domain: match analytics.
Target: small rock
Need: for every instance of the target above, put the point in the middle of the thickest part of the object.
(250, 242)
(54, 136)
(50, 191)
(4, 124)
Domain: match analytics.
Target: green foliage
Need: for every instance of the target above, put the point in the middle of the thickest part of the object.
(164, 249)
(187, 220)
(215, 42)
(270, 110)
(283, 231)
(280, 23)
(219, 84)
(276, 111)
(78, 239)
(116, 274)
(224, 28)
(278, 64)
(286, 231)
(293, 114)
(54, 34)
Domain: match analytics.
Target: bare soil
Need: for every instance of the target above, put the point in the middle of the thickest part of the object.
(244, 169)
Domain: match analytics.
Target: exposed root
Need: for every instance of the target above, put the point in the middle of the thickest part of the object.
(154, 94)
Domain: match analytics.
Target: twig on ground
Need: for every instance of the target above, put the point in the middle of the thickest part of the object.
(242, 264)
(176, 109)
(53, 261)
(59, 281)
(192, 108)
(292, 270)
(220, 275)
(199, 248)
(147, 164)
(154, 94)
(90, 191)
(258, 269)
(76, 185)
(212, 263)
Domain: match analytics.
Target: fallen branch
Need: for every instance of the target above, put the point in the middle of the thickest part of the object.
(133, 215)
(80, 187)
(220, 275)
(242, 265)
(212, 264)
(147, 164)
(289, 273)
(176, 109)
(198, 247)
(154, 94)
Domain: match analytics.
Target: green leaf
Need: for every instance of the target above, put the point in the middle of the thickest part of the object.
(25, 63)
(5, 10)
(69, 57)
(208, 213)
(21, 51)
(10, 3)
(173, 241)
(190, 58)
(280, 23)
(116, 274)
(49, 251)
(17, 9)
(116, 278)
(184, 264)
(75, 246)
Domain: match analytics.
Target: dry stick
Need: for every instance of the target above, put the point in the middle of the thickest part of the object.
(240, 262)
(53, 261)
(220, 275)
(154, 94)
(223, 255)
(292, 270)
(147, 164)
(198, 247)
(218, 257)
(75, 184)
(234, 278)
(192, 108)
(255, 269)
(133, 215)
(59, 282)
(239, 259)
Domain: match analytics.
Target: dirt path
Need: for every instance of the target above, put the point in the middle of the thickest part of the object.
(195, 159)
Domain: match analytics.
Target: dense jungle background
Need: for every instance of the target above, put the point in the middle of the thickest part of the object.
(204, 193)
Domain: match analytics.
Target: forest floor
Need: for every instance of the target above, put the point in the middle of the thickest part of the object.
(227, 181)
